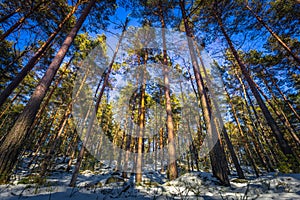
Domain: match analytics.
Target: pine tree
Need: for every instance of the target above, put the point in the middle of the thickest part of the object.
(12, 145)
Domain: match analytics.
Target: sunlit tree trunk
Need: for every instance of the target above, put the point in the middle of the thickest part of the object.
(246, 146)
(265, 160)
(286, 100)
(94, 113)
(13, 143)
(219, 118)
(22, 20)
(38, 54)
(286, 149)
(187, 117)
(217, 154)
(48, 98)
(282, 43)
(280, 114)
(172, 168)
(141, 122)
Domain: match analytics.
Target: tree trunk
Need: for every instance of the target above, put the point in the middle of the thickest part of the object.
(4, 18)
(173, 173)
(94, 113)
(161, 146)
(31, 63)
(11, 102)
(286, 149)
(122, 147)
(155, 138)
(54, 142)
(122, 143)
(246, 146)
(128, 145)
(141, 121)
(255, 133)
(283, 44)
(283, 95)
(73, 150)
(40, 141)
(4, 111)
(219, 117)
(280, 114)
(14, 141)
(51, 92)
(26, 50)
(21, 21)
(186, 116)
(217, 154)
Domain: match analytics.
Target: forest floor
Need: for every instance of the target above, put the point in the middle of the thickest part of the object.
(104, 183)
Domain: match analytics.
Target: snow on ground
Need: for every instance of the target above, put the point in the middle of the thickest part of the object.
(106, 184)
